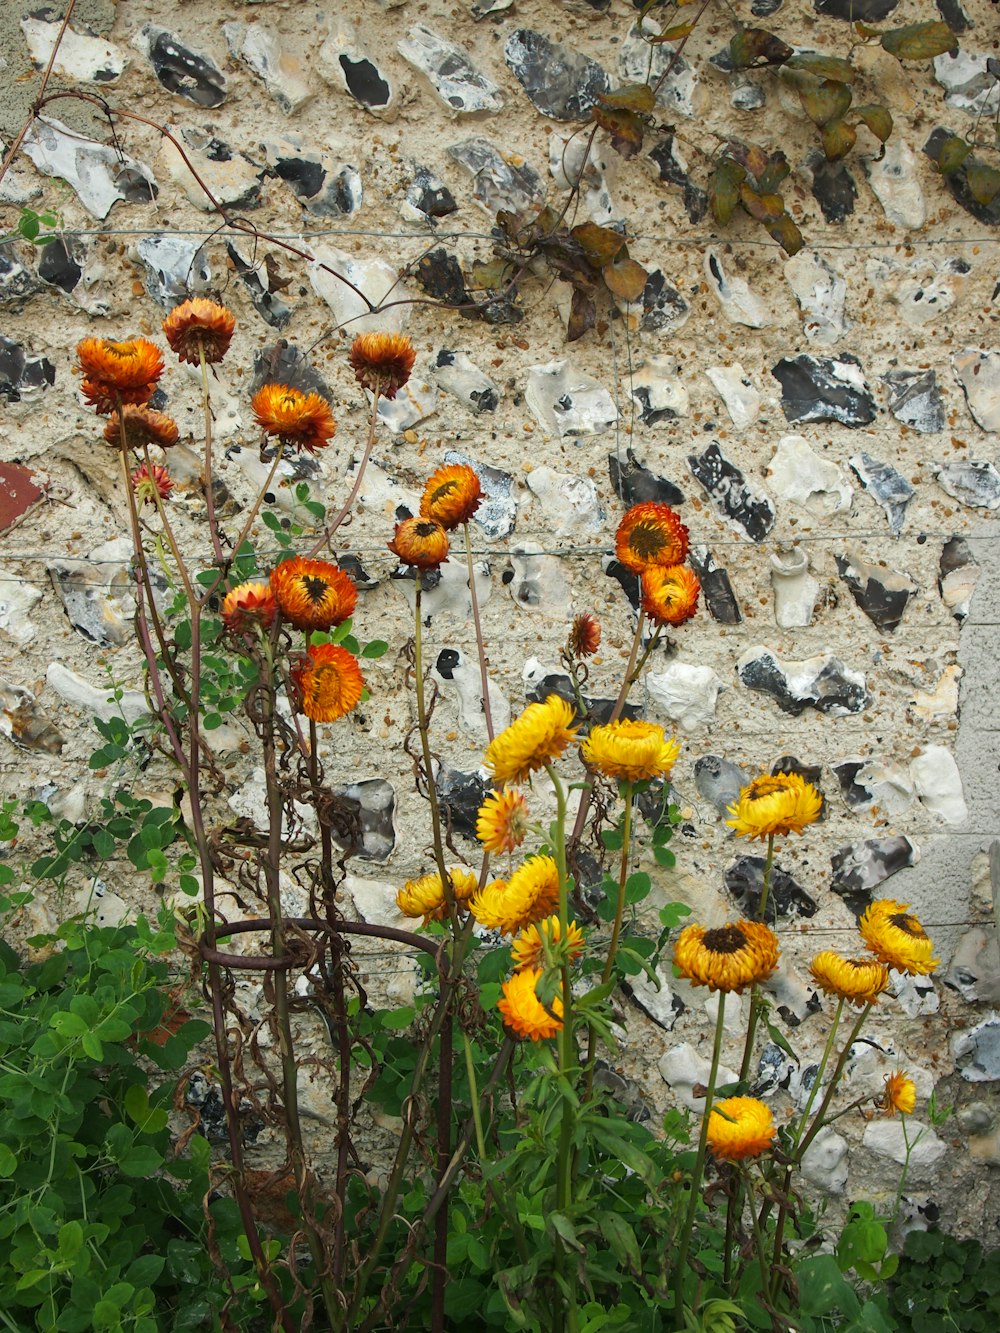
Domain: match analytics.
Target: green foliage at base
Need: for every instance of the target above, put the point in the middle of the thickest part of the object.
(944, 1285)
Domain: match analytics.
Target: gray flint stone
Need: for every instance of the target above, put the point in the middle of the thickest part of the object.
(635, 484)
(977, 1051)
(822, 388)
(860, 867)
(979, 372)
(726, 487)
(497, 510)
(882, 594)
(429, 197)
(459, 376)
(461, 795)
(98, 173)
(974, 482)
(664, 310)
(496, 184)
(450, 71)
(641, 63)
(283, 363)
(915, 399)
(833, 187)
(718, 780)
(715, 586)
(560, 82)
(176, 268)
(269, 305)
(626, 580)
(673, 169)
(17, 283)
(958, 574)
(822, 682)
(181, 70)
(745, 881)
(886, 486)
(373, 801)
(22, 374)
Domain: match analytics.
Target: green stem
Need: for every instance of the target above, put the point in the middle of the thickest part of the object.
(480, 647)
(824, 1060)
(758, 1239)
(755, 1004)
(425, 745)
(500, 1197)
(817, 1123)
(628, 793)
(699, 1166)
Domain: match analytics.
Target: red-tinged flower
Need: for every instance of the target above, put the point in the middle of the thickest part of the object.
(670, 595)
(150, 483)
(247, 605)
(300, 420)
(584, 636)
(422, 542)
(329, 682)
(199, 325)
(382, 362)
(451, 496)
(142, 426)
(650, 534)
(313, 594)
(115, 372)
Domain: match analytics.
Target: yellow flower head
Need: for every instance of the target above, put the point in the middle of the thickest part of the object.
(857, 980)
(784, 803)
(531, 741)
(900, 1094)
(630, 751)
(727, 958)
(329, 682)
(502, 821)
(740, 1127)
(528, 949)
(523, 1011)
(897, 938)
(531, 893)
(451, 496)
(426, 896)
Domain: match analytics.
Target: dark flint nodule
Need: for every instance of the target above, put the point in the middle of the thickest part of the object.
(283, 363)
(461, 795)
(957, 183)
(716, 587)
(887, 486)
(829, 691)
(726, 487)
(20, 372)
(811, 773)
(915, 399)
(182, 72)
(430, 195)
(628, 581)
(664, 309)
(671, 171)
(718, 780)
(57, 266)
(745, 881)
(812, 390)
(636, 484)
(305, 177)
(560, 82)
(598, 710)
(883, 605)
(860, 866)
(857, 11)
(271, 308)
(440, 275)
(833, 187)
(364, 81)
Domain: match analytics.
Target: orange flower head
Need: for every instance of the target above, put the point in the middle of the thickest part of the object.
(528, 948)
(150, 483)
(523, 1011)
(301, 420)
(426, 896)
(650, 534)
(199, 326)
(740, 1127)
(422, 542)
(727, 958)
(142, 426)
(900, 1094)
(451, 496)
(382, 362)
(313, 594)
(670, 595)
(502, 821)
(584, 636)
(247, 605)
(329, 682)
(114, 372)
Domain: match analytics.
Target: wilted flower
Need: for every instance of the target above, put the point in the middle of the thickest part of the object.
(329, 682)
(382, 362)
(249, 604)
(740, 1127)
(531, 741)
(149, 483)
(523, 1011)
(313, 594)
(782, 804)
(650, 534)
(421, 542)
(301, 420)
(669, 595)
(115, 372)
(896, 937)
(727, 958)
(584, 636)
(630, 751)
(198, 325)
(451, 496)
(143, 426)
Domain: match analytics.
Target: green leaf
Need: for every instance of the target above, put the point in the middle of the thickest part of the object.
(140, 1160)
(92, 1046)
(824, 67)
(377, 648)
(724, 189)
(825, 101)
(753, 46)
(565, 1230)
(463, 1296)
(70, 1240)
(663, 856)
(621, 1238)
(983, 181)
(877, 118)
(8, 1162)
(920, 41)
(637, 887)
(838, 139)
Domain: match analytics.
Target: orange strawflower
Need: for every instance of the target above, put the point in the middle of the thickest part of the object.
(150, 484)
(329, 682)
(528, 948)
(451, 496)
(313, 594)
(670, 595)
(199, 325)
(114, 372)
(650, 534)
(502, 821)
(142, 426)
(524, 1012)
(900, 1094)
(584, 636)
(420, 541)
(302, 420)
(249, 604)
(382, 362)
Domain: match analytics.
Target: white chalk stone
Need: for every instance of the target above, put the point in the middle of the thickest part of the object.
(682, 1067)
(566, 402)
(87, 59)
(888, 1138)
(938, 784)
(569, 502)
(797, 473)
(821, 293)
(95, 700)
(687, 694)
(374, 277)
(737, 391)
(824, 1163)
(895, 180)
(16, 603)
(739, 304)
(283, 74)
(375, 901)
(795, 589)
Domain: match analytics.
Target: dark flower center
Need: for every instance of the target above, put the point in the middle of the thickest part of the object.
(909, 925)
(646, 541)
(315, 588)
(727, 939)
(445, 489)
(425, 529)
